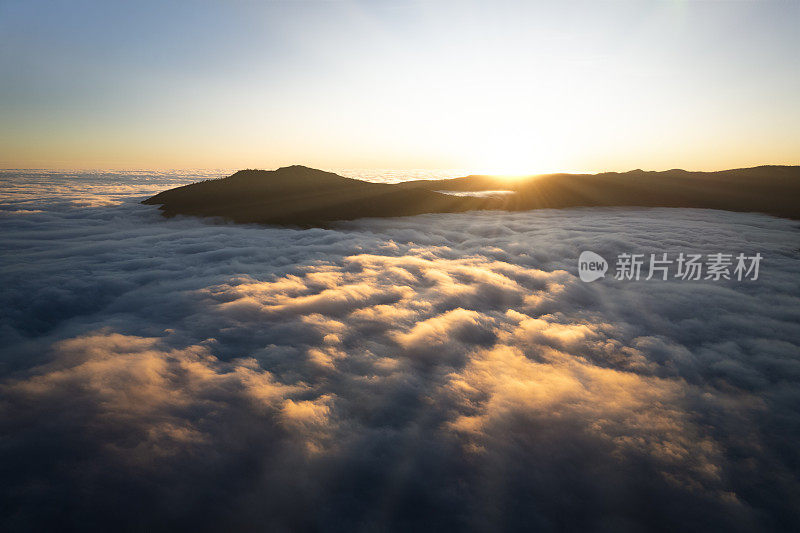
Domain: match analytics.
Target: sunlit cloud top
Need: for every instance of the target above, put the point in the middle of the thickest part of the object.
(504, 87)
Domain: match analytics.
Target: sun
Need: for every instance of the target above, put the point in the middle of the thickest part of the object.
(514, 153)
(509, 161)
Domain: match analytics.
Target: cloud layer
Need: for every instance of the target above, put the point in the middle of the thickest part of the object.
(443, 371)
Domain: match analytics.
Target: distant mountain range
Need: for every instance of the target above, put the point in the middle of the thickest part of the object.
(302, 196)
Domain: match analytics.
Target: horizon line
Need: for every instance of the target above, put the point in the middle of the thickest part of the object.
(460, 171)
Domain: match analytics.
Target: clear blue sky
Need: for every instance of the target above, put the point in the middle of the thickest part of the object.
(496, 86)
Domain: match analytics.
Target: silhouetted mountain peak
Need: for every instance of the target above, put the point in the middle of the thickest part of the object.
(297, 177)
(299, 169)
(283, 171)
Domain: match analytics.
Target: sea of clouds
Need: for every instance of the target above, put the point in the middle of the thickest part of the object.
(435, 372)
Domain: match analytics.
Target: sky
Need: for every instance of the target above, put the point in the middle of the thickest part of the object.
(505, 87)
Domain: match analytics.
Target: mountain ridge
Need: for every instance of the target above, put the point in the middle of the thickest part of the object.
(303, 196)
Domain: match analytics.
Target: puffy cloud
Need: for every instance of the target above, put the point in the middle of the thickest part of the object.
(440, 371)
